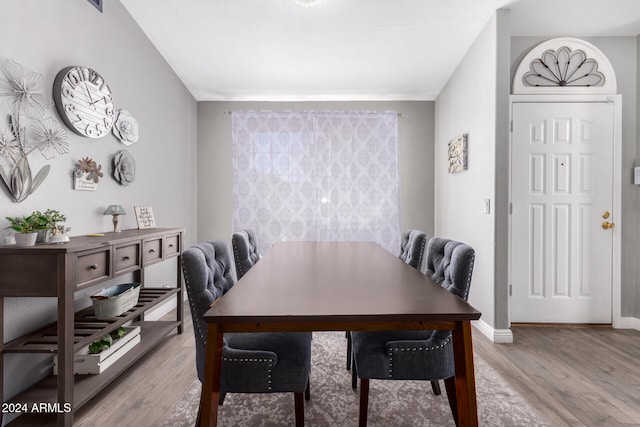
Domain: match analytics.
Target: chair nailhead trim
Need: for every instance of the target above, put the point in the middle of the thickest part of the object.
(269, 368)
(203, 336)
(398, 349)
(237, 259)
(466, 291)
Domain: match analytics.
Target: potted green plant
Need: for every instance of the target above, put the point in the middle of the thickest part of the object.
(58, 233)
(43, 232)
(53, 228)
(26, 228)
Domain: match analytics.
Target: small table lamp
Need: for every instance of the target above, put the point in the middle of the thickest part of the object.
(115, 210)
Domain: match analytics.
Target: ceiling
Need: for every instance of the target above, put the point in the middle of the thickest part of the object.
(279, 50)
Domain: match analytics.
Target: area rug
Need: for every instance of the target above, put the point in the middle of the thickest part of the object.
(334, 403)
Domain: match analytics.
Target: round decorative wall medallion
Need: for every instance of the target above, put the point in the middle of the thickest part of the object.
(125, 127)
(124, 167)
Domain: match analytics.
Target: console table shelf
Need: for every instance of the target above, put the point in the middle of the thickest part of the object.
(87, 328)
(87, 386)
(60, 271)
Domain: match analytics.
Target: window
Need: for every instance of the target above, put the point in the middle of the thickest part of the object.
(318, 176)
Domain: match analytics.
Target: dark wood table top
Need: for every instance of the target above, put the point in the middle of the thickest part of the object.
(298, 282)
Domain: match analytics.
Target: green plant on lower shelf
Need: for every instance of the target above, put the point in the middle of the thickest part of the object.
(106, 342)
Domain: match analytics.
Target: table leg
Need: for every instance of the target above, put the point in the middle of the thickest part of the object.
(465, 377)
(211, 386)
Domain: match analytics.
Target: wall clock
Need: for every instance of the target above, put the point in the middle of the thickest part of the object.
(83, 101)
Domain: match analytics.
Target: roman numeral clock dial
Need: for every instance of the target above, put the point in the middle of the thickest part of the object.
(83, 101)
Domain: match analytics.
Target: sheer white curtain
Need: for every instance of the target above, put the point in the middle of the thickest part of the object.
(319, 176)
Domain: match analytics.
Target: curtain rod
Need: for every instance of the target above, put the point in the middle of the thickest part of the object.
(228, 112)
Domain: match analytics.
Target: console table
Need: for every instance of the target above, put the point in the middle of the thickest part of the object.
(61, 270)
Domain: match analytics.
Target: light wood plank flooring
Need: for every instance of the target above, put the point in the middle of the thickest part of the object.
(573, 376)
(145, 394)
(586, 376)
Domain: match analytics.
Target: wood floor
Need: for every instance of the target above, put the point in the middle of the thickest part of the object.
(145, 394)
(573, 376)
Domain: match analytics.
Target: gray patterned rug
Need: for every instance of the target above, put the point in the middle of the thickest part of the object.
(334, 403)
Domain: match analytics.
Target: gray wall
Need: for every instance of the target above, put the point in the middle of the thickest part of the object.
(415, 129)
(473, 102)
(623, 54)
(464, 105)
(46, 36)
(636, 198)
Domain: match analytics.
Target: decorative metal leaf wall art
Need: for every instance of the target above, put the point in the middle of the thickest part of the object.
(25, 130)
(563, 67)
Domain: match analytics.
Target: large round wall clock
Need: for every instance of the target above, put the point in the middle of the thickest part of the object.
(83, 101)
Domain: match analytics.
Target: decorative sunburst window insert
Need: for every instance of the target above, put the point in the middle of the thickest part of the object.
(565, 65)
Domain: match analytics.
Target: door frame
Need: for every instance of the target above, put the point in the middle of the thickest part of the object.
(616, 100)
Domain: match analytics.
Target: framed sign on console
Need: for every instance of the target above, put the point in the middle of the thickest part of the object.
(144, 217)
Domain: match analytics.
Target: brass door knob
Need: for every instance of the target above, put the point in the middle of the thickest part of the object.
(607, 225)
(605, 214)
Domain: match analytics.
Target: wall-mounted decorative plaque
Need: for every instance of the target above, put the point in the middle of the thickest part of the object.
(458, 154)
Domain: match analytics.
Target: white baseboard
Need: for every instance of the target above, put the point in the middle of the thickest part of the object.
(498, 336)
(627, 323)
(505, 336)
(158, 312)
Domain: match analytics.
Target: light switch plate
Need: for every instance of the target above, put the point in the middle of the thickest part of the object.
(636, 175)
(487, 206)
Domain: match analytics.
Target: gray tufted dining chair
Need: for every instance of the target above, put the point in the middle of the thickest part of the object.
(263, 362)
(245, 251)
(415, 355)
(412, 247)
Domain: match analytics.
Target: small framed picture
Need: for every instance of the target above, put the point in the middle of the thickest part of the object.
(144, 217)
(458, 153)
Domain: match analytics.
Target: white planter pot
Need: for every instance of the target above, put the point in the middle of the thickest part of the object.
(62, 238)
(25, 239)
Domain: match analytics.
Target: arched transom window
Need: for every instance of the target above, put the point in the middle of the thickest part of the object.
(565, 65)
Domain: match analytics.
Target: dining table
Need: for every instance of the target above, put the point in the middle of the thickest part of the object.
(340, 286)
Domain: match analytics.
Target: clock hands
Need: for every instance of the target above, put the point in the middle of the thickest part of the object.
(90, 98)
(99, 100)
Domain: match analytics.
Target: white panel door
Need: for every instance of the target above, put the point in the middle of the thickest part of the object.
(562, 178)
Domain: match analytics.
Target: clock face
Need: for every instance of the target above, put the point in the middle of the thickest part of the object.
(83, 101)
